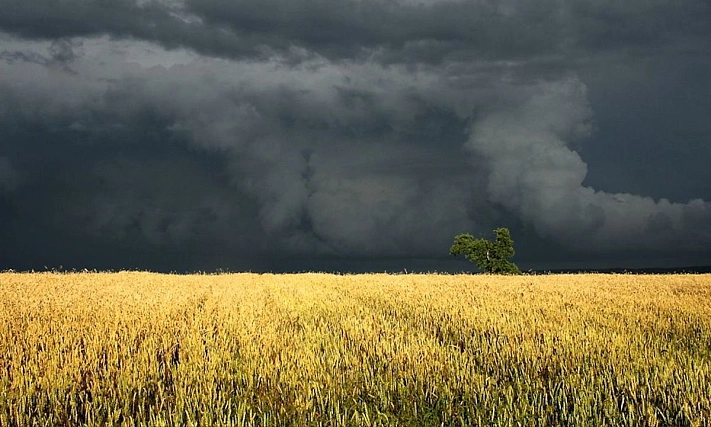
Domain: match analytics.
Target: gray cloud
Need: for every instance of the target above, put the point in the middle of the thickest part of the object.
(401, 31)
(334, 169)
(534, 173)
(315, 130)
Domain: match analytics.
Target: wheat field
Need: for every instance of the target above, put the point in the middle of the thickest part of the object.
(135, 348)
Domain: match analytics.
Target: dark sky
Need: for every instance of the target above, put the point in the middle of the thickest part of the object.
(353, 135)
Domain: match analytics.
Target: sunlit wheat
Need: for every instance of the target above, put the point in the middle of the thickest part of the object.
(319, 349)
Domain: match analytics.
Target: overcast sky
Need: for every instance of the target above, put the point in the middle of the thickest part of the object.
(353, 135)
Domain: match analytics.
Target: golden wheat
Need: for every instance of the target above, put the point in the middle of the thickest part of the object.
(319, 349)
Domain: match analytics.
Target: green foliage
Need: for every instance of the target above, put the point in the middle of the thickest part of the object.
(489, 255)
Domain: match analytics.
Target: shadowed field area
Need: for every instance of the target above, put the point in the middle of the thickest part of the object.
(319, 349)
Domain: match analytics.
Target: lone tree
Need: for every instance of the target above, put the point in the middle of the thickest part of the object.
(490, 256)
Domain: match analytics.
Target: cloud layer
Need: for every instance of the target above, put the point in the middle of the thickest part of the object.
(535, 174)
(246, 134)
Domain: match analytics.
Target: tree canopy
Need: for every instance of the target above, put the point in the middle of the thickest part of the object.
(489, 255)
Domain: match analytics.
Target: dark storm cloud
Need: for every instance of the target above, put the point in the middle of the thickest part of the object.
(316, 130)
(403, 31)
(329, 169)
(162, 22)
(535, 173)
(342, 29)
